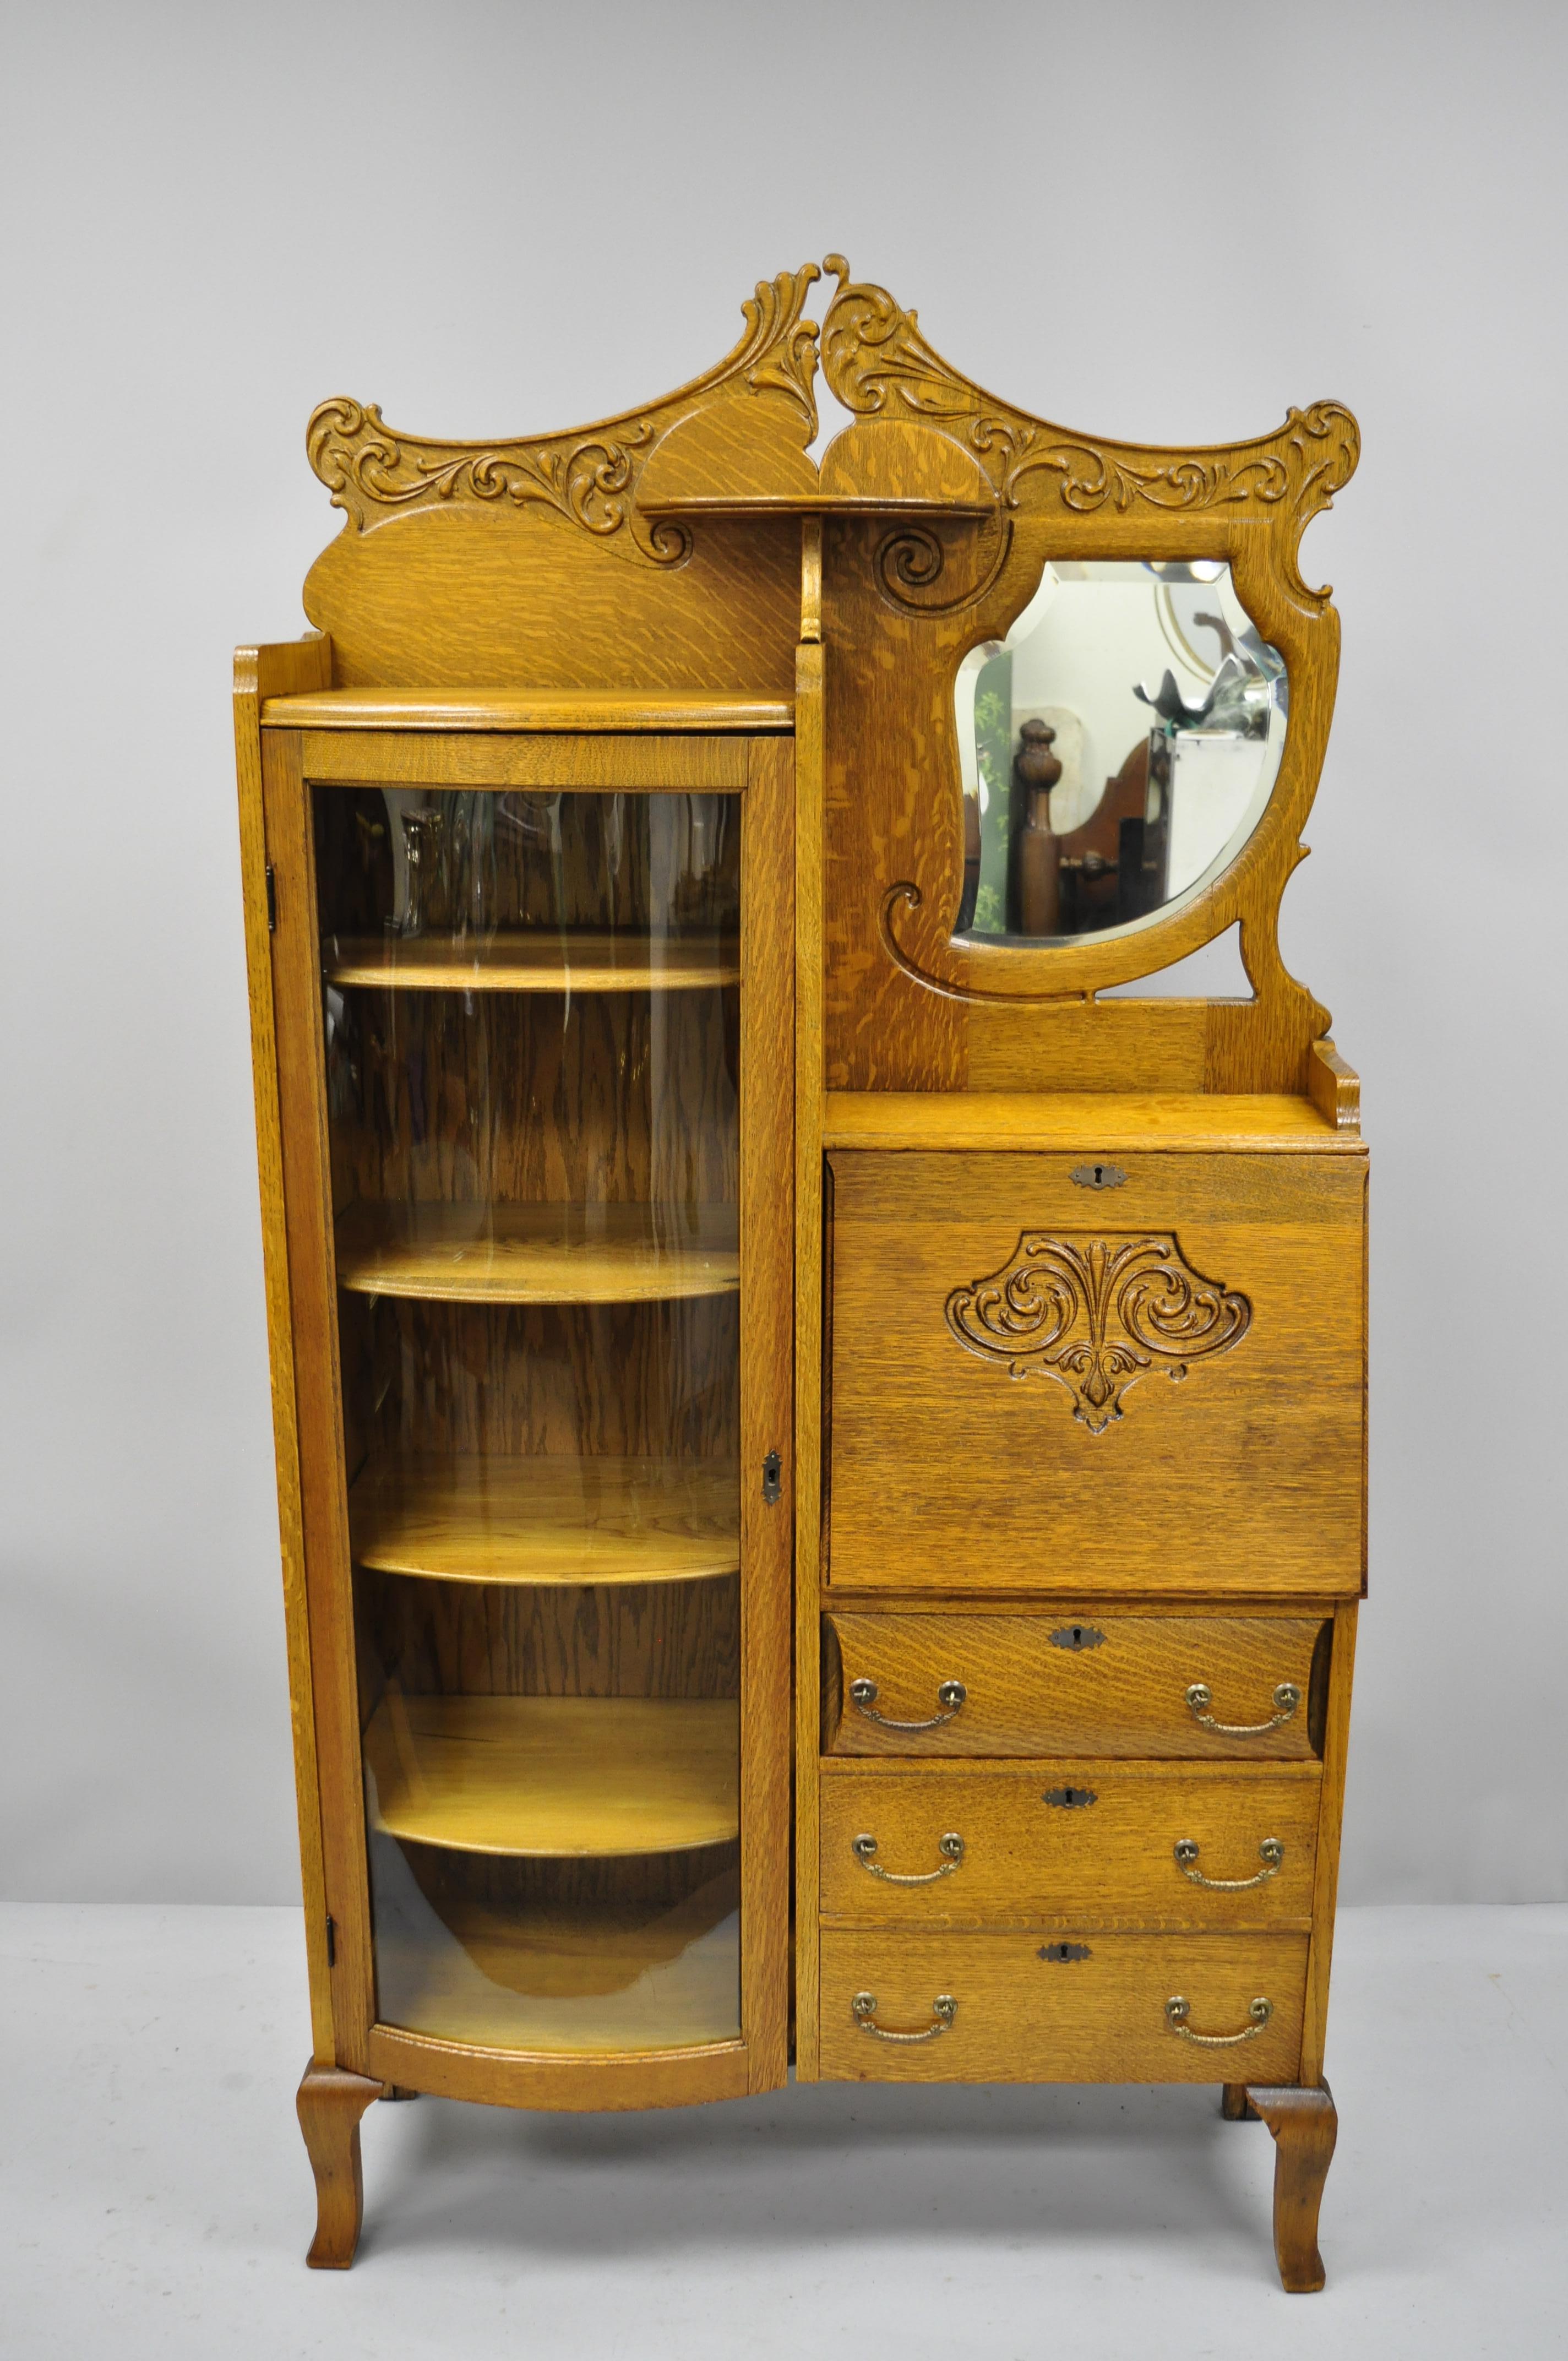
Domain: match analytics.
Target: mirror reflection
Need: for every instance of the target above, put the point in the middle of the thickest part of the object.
(1118, 748)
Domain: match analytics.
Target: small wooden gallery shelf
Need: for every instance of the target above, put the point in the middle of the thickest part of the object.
(908, 1633)
(561, 1778)
(538, 1254)
(551, 962)
(604, 1520)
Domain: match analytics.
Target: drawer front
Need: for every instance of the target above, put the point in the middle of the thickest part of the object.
(1115, 1685)
(1073, 1844)
(1022, 2012)
(1156, 1386)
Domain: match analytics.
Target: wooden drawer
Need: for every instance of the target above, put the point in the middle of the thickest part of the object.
(1074, 1844)
(1025, 2013)
(1004, 1343)
(1112, 1685)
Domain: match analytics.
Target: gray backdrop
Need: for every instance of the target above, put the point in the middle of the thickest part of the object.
(1141, 221)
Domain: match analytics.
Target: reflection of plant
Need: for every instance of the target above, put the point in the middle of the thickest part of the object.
(987, 919)
(993, 735)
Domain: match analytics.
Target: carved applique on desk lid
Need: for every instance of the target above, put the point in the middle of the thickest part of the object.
(1096, 1314)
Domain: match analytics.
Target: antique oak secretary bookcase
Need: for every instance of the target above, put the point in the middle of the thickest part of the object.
(820, 1422)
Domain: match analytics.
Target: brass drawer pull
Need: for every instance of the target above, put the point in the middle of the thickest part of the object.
(943, 2011)
(1201, 1696)
(1271, 1853)
(951, 1847)
(950, 1697)
(1177, 2011)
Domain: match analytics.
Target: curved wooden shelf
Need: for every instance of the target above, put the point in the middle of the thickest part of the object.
(574, 1979)
(548, 962)
(538, 1253)
(548, 1519)
(561, 1778)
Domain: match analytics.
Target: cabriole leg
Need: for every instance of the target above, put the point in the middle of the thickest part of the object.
(1234, 2105)
(330, 2103)
(1304, 2125)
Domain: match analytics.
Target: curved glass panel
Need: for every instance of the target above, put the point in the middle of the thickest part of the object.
(1117, 748)
(532, 1010)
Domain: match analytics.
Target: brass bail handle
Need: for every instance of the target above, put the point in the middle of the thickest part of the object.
(1201, 1696)
(1177, 2010)
(944, 2008)
(1271, 1853)
(951, 1848)
(950, 1697)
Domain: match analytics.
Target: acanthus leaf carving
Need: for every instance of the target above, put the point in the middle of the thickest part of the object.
(588, 477)
(364, 465)
(878, 363)
(1095, 1314)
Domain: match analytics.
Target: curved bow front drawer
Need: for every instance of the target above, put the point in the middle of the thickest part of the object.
(1244, 1686)
(1037, 1381)
(1018, 2008)
(1102, 1844)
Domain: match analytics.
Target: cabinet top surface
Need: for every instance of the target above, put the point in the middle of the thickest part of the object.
(1259, 1121)
(548, 709)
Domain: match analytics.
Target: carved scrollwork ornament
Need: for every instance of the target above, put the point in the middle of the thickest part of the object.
(589, 476)
(1095, 1314)
(879, 365)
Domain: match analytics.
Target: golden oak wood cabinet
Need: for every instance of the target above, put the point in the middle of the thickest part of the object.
(820, 1430)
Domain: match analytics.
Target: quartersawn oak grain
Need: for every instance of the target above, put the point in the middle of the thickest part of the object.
(1247, 1475)
(1025, 1696)
(1023, 2018)
(1109, 1862)
(518, 616)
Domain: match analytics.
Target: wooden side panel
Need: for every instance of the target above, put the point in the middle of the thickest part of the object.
(1070, 1843)
(1201, 1433)
(260, 673)
(307, 1200)
(808, 1303)
(767, 1227)
(1331, 1818)
(1025, 2013)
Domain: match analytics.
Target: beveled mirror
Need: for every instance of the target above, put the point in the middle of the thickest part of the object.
(1117, 748)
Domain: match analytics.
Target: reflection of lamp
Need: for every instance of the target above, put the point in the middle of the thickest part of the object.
(1036, 876)
(1237, 700)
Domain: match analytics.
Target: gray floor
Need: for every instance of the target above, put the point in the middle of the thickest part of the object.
(157, 2199)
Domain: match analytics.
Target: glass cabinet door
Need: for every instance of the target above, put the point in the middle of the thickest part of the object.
(530, 1037)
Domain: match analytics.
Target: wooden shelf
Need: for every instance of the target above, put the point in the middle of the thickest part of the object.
(538, 1253)
(541, 710)
(560, 1778)
(590, 1977)
(547, 961)
(1080, 1120)
(548, 1519)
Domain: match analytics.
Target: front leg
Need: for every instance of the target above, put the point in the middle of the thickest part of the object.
(1304, 2125)
(330, 2103)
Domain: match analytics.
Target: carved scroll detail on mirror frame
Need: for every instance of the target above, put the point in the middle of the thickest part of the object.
(588, 476)
(1095, 1314)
